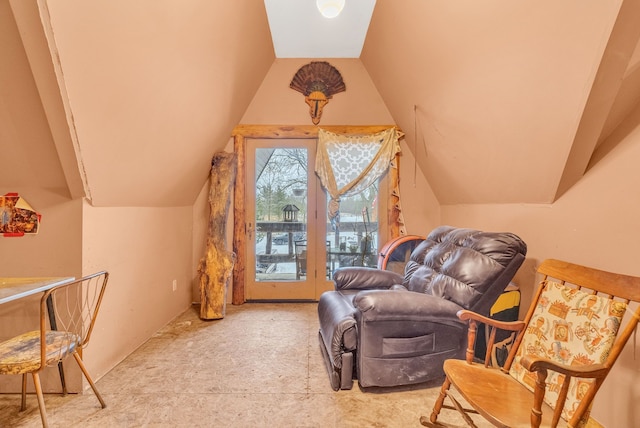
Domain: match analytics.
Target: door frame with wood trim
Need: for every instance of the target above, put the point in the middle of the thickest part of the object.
(243, 132)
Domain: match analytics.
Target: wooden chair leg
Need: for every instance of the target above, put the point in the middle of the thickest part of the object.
(437, 406)
(43, 410)
(536, 410)
(23, 404)
(86, 375)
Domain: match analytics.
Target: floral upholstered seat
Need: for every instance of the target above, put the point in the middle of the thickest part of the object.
(571, 327)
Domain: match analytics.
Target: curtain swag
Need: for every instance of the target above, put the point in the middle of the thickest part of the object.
(347, 165)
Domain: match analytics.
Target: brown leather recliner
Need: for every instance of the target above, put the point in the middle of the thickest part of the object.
(391, 330)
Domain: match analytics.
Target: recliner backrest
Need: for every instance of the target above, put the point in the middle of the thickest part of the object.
(466, 266)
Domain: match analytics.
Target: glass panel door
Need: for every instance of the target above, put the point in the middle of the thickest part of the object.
(282, 205)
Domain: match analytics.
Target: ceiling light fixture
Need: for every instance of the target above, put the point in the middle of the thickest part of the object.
(330, 8)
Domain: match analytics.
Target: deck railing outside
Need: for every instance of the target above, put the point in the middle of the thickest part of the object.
(345, 247)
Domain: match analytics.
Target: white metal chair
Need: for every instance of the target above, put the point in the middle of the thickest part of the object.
(72, 309)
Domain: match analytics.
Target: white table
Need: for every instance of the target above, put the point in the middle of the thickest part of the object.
(17, 288)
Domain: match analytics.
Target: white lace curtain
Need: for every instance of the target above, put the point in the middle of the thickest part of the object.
(347, 165)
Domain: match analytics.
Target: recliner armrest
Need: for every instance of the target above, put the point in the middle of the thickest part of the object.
(364, 278)
(393, 305)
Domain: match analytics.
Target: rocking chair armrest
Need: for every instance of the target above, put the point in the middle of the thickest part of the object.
(466, 315)
(473, 318)
(533, 363)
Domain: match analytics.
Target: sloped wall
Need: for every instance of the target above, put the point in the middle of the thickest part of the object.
(497, 88)
(155, 88)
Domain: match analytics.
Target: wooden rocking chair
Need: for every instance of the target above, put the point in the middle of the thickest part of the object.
(563, 351)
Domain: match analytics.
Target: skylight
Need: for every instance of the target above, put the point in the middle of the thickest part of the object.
(298, 30)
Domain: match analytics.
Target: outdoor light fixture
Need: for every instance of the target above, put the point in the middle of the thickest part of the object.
(330, 8)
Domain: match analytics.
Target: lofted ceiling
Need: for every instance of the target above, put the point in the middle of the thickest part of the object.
(501, 102)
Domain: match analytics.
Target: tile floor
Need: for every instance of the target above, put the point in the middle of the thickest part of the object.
(260, 366)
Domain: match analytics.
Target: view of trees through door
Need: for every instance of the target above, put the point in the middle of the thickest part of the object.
(284, 220)
(352, 236)
(281, 213)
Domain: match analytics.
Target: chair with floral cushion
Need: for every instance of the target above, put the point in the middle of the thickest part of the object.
(568, 342)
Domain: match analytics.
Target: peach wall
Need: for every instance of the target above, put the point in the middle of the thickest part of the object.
(275, 103)
(490, 82)
(144, 250)
(596, 224)
(420, 206)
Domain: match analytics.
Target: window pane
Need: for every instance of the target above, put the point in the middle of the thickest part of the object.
(281, 214)
(352, 237)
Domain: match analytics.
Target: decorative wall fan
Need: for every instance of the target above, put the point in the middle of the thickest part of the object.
(318, 81)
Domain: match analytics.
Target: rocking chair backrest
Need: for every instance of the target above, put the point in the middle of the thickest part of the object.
(577, 318)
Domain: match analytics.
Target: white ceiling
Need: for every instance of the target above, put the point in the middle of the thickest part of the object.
(299, 30)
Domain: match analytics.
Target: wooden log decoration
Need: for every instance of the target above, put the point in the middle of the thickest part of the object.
(216, 267)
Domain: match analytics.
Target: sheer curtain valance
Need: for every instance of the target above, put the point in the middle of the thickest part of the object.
(347, 165)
